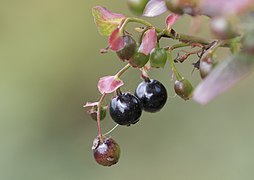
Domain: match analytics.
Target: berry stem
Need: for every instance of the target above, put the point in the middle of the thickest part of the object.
(172, 64)
(99, 117)
(175, 46)
(110, 131)
(171, 33)
(120, 73)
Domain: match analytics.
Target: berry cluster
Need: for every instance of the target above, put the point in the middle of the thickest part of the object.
(146, 53)
(126, 109)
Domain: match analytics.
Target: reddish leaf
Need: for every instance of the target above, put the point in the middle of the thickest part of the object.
(224, 7)
(116, 41)
(224, 76)
(91, 104)
(149, 41)
(106, 20)
(155, 8)
(171, 19)
(109, 84)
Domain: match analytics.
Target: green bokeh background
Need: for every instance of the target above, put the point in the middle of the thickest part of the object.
(49, 67)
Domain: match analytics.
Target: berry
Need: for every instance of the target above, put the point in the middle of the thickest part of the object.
(139, 60)
(125, 109)
(183, 6)
(183, 88)
(205, 67)
(106, 153)
(152, 94)
(93, 113)
(137, 6)
(223, 28)
(158, 58)
(129, 49)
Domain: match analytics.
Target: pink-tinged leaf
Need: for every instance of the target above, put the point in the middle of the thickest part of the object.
(149, 41)
(225, 7)
(116, 41)
(109, 84)
(171, 19)
(155, 8)
(105, 20)
(91, 104)
(224, 76)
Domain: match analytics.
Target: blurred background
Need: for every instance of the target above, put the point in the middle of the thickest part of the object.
(49, 67)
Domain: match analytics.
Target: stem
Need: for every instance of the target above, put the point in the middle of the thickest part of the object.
(178, 76)
(212, 49)
(99, 117)
(173, 34)
(175, 46)
(110, 131)
(120, 73)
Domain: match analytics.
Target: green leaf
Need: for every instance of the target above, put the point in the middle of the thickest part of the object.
(105, 20)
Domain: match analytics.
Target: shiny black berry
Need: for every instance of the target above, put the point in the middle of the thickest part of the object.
(125, 109)
(106, 153)
(129, 49)
(183, 88)
(152, 94)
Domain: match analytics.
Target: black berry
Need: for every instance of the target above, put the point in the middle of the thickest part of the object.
(106, 153)
(152, 94)
(129, 49)
(125, 109)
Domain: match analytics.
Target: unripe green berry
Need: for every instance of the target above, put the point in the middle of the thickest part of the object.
(158, 57)
(183, 88)
(93, 113)
(138, 60)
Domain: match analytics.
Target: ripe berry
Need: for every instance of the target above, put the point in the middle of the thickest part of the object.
(137, 6)
(158, 58)
(125, 109)
(138, 60)
(129, 49)
(106, 153)
(183, 88)
(152, 94)
(93, 113)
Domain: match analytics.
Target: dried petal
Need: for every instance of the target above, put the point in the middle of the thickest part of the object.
(226, 7)
(91, 104)
(109, 84)
(149, 41)
(171, 19)
(155, 8)
(224, 76)
(116, 41)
